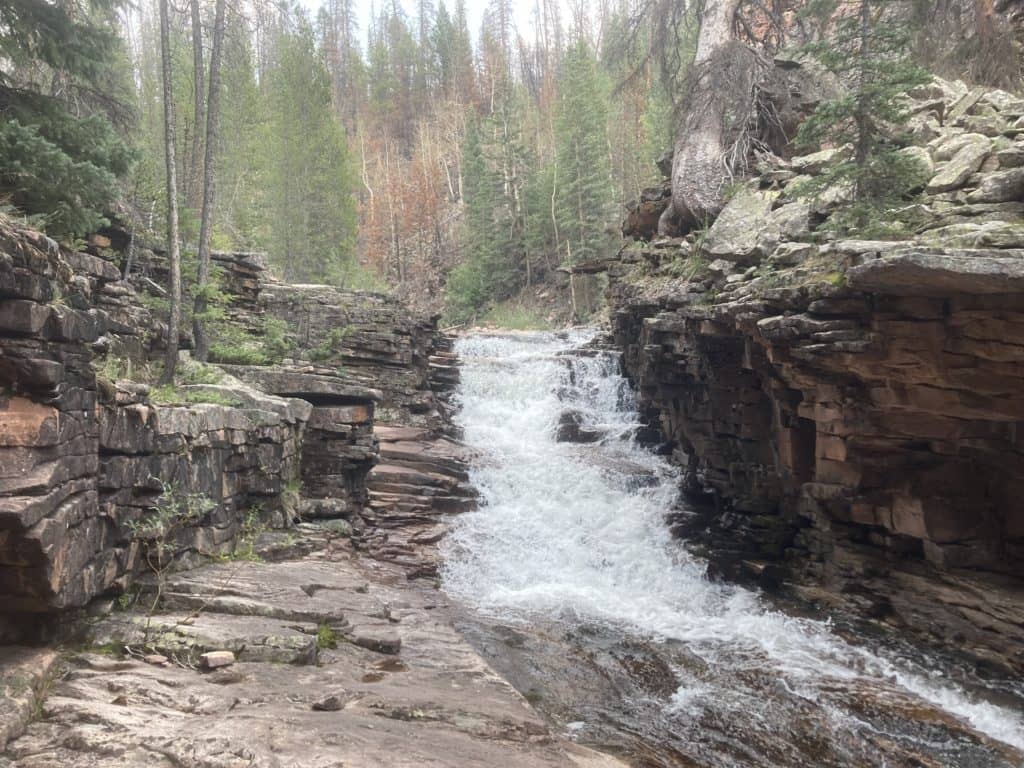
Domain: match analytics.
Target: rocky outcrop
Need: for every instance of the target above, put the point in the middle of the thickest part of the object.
(85, 460)
(91, 455)
(421, 481)
(319, 657)
(849, 409)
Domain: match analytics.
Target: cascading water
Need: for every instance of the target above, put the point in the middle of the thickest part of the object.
(571, 542)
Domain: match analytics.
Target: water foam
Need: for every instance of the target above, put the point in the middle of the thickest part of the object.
(562, 535)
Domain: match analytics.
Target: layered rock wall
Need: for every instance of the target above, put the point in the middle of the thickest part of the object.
(851, 410)
(85, 460)
(99, 471)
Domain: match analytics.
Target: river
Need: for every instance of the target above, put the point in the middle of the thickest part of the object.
(572, 585)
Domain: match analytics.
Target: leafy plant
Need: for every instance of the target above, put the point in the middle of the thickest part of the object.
(276, 343)
(169, 394)
(330, 346)
(326, 637)
(156, 532)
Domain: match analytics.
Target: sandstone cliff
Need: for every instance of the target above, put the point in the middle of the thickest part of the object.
(851, 410)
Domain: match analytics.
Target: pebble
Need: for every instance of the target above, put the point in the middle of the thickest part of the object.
(215, 659)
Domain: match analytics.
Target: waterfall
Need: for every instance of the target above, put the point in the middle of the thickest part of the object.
(577, 533)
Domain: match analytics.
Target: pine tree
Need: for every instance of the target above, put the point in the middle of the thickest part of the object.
(486, 274)
(308, 206)
(60, 154)
(202, 342)
(869, 51)
(583, 196)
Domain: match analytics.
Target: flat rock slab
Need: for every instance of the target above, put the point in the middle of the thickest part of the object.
(190, 637)
(24, 672)
(431, 701)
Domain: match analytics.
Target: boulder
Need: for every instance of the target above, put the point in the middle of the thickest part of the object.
(793, 220)
(1011, 157)
(921, 164)
(571, 429)
(734, 235)
(965, 162)
(1000, 187)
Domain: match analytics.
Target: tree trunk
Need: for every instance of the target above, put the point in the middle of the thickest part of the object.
(173, 252)
(699, 167)
(198, 66)
(209, 177)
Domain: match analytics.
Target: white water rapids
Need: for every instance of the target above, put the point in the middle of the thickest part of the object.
(565, 532)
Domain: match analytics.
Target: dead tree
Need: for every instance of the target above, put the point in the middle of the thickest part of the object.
(202, 339)
(735, 103)
(173, 246)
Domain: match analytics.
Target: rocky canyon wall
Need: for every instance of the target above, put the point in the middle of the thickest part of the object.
(90, 453)
(850, 412)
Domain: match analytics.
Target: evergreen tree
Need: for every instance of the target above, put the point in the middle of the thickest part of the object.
(583, 197)
(486, 274)
(60, 87)
(243, 115)
(308, 208)
(869, 51)
(444, 45)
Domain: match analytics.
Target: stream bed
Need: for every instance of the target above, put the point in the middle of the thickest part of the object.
(572, 586)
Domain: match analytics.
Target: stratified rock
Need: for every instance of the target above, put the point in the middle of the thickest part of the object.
(922, 273)
(24, 674)
(852, 405)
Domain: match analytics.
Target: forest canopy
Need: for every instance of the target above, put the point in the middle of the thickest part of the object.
(456, 166)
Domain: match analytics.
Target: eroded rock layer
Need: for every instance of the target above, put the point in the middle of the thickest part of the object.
(103, 476)
(851, 410)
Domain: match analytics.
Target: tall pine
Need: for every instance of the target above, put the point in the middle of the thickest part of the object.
(60, 91)
(308, 217)
(868, 49)
(584, 206)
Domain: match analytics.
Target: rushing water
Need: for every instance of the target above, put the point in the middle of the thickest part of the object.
(577, 591)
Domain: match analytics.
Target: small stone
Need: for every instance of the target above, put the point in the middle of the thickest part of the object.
(216, 659)
(333, 703)
(377, 640)
(721, 266)
(156, 660)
